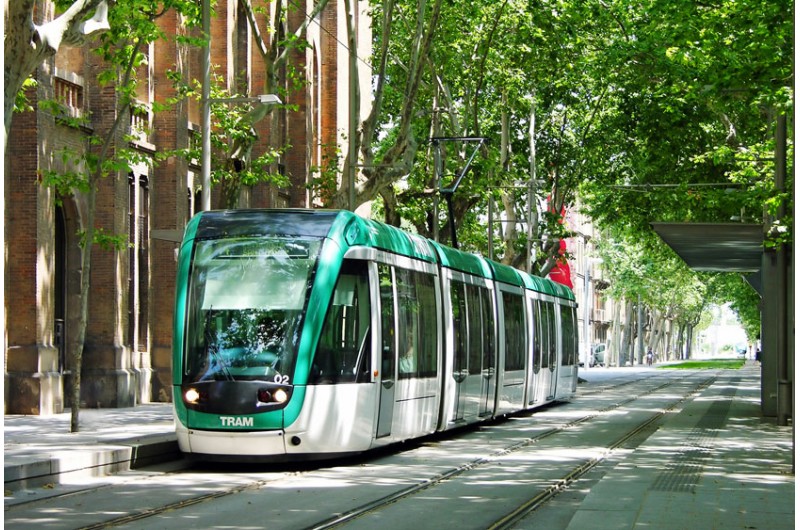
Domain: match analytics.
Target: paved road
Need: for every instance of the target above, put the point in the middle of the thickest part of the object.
(637, 448)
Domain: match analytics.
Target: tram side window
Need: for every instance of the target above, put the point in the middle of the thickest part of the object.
(429, 343)
(514, 313)
(475, 329)
(343, 351)
(575, 345)
(544, 333)
(388, 343)
(574, 335)
(416, 305)
(550, 322)
(458, 300)
(567, 336)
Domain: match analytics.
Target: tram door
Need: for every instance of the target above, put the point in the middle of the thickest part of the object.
(473, 370)
(487, 354)
(460, 351)
(546, 345)
(388, 353)
(534, 388)
(552, 350)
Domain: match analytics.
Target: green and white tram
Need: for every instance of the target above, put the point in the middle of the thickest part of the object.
(315, 334)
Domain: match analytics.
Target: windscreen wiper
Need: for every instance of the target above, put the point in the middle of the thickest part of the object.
(212, 350)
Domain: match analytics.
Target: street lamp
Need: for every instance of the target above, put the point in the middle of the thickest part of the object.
(263, 100)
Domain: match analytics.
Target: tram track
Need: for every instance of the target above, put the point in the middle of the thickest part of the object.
(534, 503)
(453, 473)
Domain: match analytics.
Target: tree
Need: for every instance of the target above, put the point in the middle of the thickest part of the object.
(28, 44)
(689, 135)
(385, 160)
(442, 69)
(645, 270)
(232, 139)
(129, 27)
(233, 134)
(653, 113)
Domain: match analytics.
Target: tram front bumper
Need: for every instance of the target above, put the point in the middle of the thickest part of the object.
(231, 443)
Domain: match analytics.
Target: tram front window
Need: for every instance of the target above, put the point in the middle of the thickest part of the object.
(246, 301)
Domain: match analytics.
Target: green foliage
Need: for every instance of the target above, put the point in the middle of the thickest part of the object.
(21, 104)
(133, 28)
(690, 136)
(646, 268)
(745, 301)
(326, 177)
(659, 112)
(73, 178)
(232, 139)
(722, 364)
(105, 240)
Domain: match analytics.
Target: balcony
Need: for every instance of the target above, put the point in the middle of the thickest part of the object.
(599, 315)
(69, 94)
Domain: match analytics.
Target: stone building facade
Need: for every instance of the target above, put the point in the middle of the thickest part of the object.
(127, 353)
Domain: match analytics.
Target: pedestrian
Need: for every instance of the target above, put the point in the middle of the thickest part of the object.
(650, 356)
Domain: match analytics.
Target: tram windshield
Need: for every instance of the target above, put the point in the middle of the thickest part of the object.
(246, 301)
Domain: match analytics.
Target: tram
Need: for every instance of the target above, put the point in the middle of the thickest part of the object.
(303, 334)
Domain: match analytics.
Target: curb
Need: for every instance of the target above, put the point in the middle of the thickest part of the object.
(105, 459)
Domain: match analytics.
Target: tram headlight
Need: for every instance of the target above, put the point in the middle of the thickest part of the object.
(192, 396)
(264, 395)
(280, 395)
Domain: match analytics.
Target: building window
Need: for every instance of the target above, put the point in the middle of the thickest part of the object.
(141, 121)
(195, 145)
(139, 261)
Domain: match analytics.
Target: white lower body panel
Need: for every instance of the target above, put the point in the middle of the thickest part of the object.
(260, 443)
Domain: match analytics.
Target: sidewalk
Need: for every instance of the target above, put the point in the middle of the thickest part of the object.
(40, 450)
(717, 464)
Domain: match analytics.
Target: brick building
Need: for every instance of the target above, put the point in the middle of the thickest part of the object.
(127, 353)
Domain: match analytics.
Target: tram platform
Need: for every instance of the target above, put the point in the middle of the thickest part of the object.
(39, 451)
(732, 470)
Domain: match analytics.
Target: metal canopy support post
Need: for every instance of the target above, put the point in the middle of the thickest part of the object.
(587, 282)
(785, 397)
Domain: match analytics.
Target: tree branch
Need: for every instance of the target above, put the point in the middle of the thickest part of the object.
(71, 27)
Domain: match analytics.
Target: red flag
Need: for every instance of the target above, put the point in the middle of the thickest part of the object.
(561, 273)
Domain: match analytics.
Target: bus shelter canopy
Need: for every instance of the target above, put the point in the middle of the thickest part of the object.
(715, 247)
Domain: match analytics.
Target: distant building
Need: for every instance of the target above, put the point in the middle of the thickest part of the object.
(595, 310)
(127, 354)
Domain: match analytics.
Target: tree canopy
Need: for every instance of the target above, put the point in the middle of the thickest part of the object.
(652, 111)
(645, 112)
(649, 111)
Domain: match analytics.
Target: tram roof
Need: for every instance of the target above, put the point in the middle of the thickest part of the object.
(360, 231)
(261, 222)
(366, 232)
(462, 261)
(506, 274)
